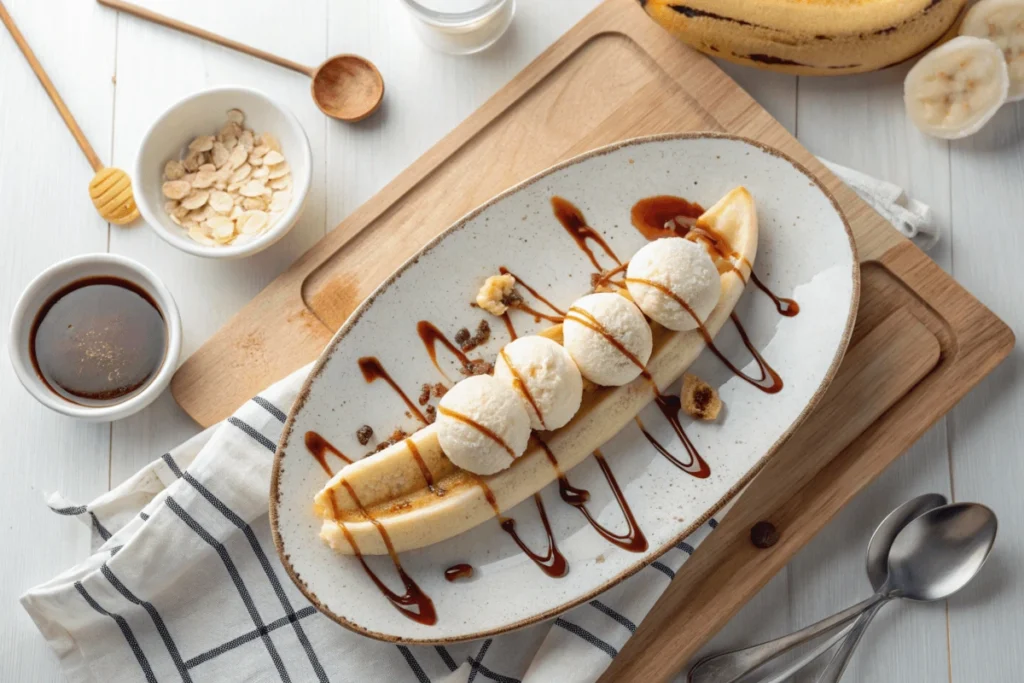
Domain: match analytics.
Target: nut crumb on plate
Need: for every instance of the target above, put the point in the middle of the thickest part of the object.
(699, 399)
(494, 292)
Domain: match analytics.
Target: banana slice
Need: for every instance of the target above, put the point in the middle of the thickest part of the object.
(956, 88)
(1002, 22)
(416, 492)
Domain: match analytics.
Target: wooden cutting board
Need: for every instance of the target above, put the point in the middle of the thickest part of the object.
(920, 343)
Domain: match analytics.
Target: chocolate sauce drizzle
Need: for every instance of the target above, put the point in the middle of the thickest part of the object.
(319, 448)
(414, 596)
(769, 382)
(575, 224)
(486, 431)
(556, 314)
(458, 571)
(667, 216)
(430, 336)
(373, 370)
(424, 470)
(633, 540)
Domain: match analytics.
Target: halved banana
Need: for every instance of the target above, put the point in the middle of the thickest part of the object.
(956, 88)
(1002, 22)
(393, 487)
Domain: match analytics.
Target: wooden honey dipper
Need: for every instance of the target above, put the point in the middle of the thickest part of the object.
(111, 188)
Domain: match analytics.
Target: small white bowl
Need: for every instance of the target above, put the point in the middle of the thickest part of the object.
(50, 281)
(204, 113)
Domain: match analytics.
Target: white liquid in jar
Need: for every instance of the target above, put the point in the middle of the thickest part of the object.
(482, 23)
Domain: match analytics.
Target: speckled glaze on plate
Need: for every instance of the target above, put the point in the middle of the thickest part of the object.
(805, 252)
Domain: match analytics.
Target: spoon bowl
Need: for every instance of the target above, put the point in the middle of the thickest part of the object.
(347, 87)
(877, 562)
(940, 552)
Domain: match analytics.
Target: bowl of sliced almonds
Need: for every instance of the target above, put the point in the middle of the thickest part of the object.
(223, 173)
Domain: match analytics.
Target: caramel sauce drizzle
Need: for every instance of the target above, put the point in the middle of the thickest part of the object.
(467, 420)
(430, 336)
(424, 470)
(667, 216)
(507, 319)
(414, 596)
(633, 540)
(373, 370)
(533, 292)
(669, 405)
(770, 382)
(575, 224)
(457, 572)
(520, 386)
(319, 447)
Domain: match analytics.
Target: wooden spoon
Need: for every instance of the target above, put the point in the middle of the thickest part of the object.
(346, 87)
(110, 188)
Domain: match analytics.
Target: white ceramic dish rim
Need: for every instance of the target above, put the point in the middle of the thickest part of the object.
(154, 219)
(51, 280)
(650, 555)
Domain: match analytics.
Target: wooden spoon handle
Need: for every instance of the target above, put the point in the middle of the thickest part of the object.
(149, 15)
(62, 108)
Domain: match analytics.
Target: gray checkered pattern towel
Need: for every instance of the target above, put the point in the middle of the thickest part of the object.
(185, 583)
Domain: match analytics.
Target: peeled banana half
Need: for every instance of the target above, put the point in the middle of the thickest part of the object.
(811, 37)
(390, 487)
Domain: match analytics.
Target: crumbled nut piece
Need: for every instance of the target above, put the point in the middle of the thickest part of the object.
(424, 395)
(431, 412)
(364, 434)
(493, 292)
(478, 366)
(699, 399)
(462, 336)
(439, 390)
(483, 333)
(395, 437)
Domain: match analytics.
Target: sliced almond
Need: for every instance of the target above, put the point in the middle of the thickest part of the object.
(236, 211)
(270, 141)
(221, 228)
(204, 179)
(175, 219)
(196, 199)
(219, 154)
(229, 141)
(261, 149)
(230, 129)
(254, 204)
(251, 222)
(208, 167)
(237, 157)
(173, 170)
(193, 160)
(280, 201)
(236, 116)
(202, 214)
(255, 160)
(273, 158)
(246, 141)
(253, 188)
(240, 173)
(282, 183)
(203, 143)
(279, 170)
(221, 201)
(176, 189)
(199, 236)
(261, 172)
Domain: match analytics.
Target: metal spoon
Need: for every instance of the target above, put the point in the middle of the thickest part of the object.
(346, 87)
(731, 666)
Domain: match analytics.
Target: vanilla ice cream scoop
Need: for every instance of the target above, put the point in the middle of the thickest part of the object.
(543, 373)
(482, 425)
(668, 270)
(608, 338)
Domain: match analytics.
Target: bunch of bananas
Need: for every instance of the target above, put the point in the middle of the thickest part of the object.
(813, 37)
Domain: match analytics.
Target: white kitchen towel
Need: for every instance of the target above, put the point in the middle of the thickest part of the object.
(185, 584)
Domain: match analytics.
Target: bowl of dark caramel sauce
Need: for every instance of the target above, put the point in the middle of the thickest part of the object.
(95, 337)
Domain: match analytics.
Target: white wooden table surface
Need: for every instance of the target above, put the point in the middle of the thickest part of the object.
(118, 73)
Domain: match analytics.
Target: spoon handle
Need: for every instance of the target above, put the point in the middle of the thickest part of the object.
(731, 666)
(149, 15)
(51, 90)
(837, 665)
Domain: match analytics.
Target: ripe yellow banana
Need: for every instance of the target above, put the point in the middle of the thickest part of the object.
(390, 488)
(811, 37)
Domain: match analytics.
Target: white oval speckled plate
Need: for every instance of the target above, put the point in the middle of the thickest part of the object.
(805, 252)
